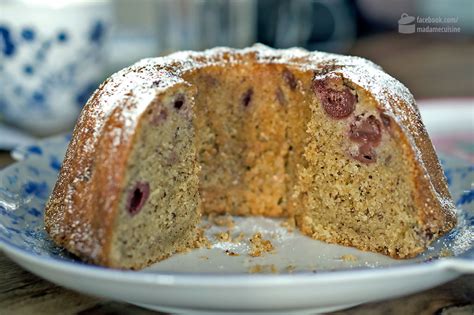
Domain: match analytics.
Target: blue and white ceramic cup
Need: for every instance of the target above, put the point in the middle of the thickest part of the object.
(51, 60)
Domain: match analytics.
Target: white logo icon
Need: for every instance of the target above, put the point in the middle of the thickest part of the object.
(406, 24)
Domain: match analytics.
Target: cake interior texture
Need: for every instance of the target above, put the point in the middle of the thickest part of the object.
(260, 138)
(267, 147)
(160, 206)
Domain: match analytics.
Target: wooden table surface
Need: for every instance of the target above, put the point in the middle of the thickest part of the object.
(430, 66)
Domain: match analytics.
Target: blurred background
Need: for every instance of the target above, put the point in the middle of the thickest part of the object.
(53, 54)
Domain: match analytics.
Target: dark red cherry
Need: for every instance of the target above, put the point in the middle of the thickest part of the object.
(137, 196)
(337, 104)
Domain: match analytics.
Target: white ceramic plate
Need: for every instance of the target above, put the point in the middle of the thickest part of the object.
(310, 276)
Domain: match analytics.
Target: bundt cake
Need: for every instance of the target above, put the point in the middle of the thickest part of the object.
(329, 140)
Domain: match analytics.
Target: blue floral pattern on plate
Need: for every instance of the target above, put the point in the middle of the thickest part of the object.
(24, 190)
(26, 185)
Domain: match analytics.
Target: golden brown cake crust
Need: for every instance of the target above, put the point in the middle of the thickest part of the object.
(82, 208)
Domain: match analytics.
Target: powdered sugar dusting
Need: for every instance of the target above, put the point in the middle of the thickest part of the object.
(109, 119)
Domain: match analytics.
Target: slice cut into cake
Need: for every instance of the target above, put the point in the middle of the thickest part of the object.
(329, 140)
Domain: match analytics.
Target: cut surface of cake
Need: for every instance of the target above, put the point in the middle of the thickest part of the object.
(330, 140)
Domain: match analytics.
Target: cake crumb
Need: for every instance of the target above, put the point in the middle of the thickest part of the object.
(224, 220)
(289, 224)
(290, 268)
(259, 245)
(263, 269)
(239, 238)
(221, 220)
(349, 257)
(446, 252)
(201, 240)
(204, 257)
(231, 253)
(223, 236)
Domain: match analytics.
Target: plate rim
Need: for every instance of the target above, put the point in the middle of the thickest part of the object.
(458, 265)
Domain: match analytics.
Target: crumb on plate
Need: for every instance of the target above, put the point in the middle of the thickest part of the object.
(446, 252)
(289, 224)
(263, 269)
(238, 238)
(223, 236)
(231, 253)
(259, 245)
(349, 257)
(201, 240)
(221, 220)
